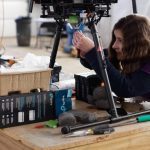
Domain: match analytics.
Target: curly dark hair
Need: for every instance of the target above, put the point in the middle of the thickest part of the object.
(136, 43)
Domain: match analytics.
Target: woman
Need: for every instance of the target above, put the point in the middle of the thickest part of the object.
(128, 64)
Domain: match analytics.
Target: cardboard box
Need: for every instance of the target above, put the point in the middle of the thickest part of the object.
(24, 82)
(62, 101)
(26, 108)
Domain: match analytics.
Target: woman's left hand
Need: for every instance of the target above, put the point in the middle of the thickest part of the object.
(82, 43)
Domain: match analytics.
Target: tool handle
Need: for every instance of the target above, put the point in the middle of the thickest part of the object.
(143, 118)
(102, 126)
(103, 129)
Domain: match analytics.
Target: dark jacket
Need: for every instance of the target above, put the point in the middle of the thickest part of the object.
(135, 84)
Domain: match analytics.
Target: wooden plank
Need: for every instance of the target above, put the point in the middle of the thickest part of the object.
(51, 139)
(133, 137)
(140, 141)
(8, 143)
(41, 138)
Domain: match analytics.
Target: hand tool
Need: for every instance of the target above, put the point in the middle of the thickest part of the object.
(102, 129)
(110, 123)
(108, 128)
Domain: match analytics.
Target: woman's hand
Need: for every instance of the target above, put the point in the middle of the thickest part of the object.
(82, 43)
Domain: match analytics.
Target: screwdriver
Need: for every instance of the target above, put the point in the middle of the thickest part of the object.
(93, 131)
(106, 124)
(139, 119)
(142, 118)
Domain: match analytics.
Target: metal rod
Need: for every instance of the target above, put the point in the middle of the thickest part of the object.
(30, 6)
(102, 67)
(134, 6)
(68, 129)
(56, 43)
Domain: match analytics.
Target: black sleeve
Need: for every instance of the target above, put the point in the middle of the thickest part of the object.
(135, 84)
(86, 64)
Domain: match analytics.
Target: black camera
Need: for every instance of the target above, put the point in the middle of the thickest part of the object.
(74, 1)
(62, 9)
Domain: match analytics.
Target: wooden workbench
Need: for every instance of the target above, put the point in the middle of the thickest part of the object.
(135, 137)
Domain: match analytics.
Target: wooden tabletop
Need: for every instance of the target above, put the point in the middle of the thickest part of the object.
(27, 137)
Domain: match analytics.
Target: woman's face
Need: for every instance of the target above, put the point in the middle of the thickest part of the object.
(118, 44)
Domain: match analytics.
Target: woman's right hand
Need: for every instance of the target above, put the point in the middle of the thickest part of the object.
(82, 43)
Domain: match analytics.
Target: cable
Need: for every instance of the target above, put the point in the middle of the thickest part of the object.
(54, 85)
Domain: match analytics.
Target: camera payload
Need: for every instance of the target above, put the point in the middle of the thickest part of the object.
(64, 8)
(74, 1)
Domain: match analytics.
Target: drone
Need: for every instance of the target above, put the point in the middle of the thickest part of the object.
(62, 9)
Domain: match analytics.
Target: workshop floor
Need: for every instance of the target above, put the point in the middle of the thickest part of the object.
(69, 64)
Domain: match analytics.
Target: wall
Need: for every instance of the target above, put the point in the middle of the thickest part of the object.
(118, 10)
(11, 9)
(16, 8)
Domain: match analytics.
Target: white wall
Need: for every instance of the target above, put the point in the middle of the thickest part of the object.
(16, 8)
(36, 12)
(10, 10)
(118, 10)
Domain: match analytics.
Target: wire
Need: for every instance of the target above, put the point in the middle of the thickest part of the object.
(54, 85)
